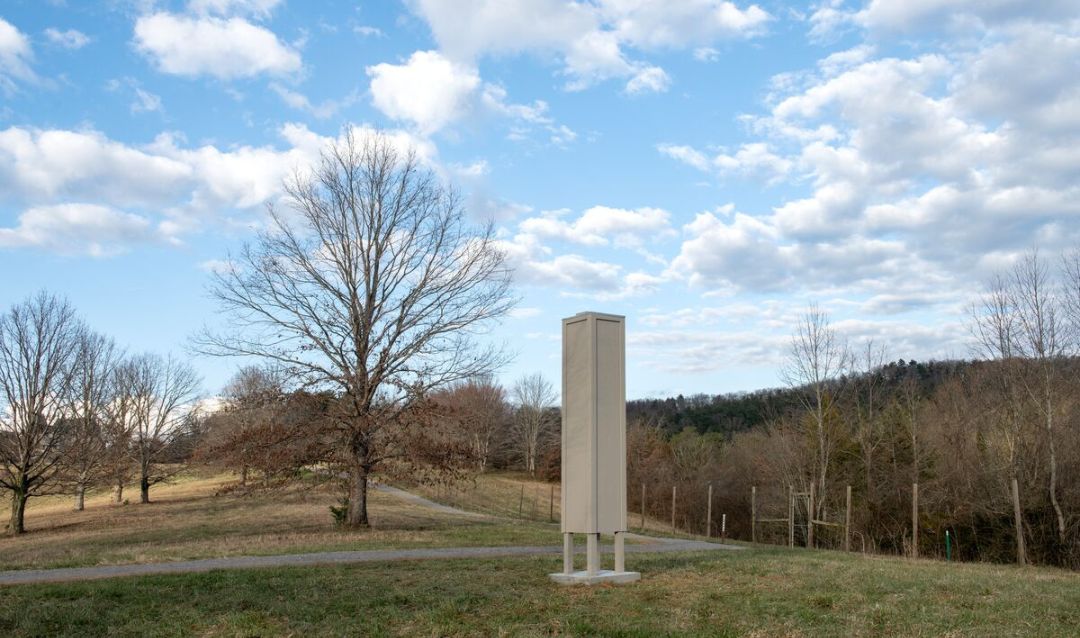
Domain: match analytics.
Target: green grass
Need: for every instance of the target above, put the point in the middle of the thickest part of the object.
(766, 592)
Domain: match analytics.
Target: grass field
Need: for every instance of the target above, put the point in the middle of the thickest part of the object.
(768, 592)
(186, 520)
(763, 592)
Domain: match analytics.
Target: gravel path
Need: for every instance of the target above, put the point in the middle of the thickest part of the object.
(420, 500)
(27, 576)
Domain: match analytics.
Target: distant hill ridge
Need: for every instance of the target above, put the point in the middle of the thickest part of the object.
(739, 411)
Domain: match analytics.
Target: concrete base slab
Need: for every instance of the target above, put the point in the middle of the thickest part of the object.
(602, 576)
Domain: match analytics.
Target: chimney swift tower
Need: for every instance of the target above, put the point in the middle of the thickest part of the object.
(593, 443)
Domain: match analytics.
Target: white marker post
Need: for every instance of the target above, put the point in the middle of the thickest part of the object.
(594, 444)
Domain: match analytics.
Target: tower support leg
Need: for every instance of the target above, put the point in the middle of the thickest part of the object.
(592, 554)
(568, 553)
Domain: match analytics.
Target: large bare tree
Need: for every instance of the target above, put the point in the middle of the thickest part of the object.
(372, 284)
(39, 339)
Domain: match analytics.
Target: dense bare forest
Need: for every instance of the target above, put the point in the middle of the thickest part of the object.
(992, 444)
(946, 426)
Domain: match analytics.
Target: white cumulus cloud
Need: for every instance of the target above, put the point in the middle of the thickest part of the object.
(190, 187)
(15, 57)
(77, 229)
(428, 90)
(591, 40)
(227, 49)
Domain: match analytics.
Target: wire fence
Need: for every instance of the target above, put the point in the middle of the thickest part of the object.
(787, 515)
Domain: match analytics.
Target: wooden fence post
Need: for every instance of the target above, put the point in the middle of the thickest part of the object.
(847, 522)
(791, 516)
(1021, 555)
(810, 519)
(753, 513)
(673, 488)
(708, 515)
(914, 520)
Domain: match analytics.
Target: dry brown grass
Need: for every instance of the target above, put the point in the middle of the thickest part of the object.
(516, 495)
(507, 494)
(191, 518)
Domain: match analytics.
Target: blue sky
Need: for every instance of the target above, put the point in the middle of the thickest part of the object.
(707, 168)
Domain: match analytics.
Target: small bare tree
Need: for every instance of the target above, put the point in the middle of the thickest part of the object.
(817, 358)
(374, 287)
(119, 427)
(92, 391)
(479, 413)
(162, 391)
(534, 420)
(254, 394)
(868, 403)
(994, 325)
(39, 339)
(1044, 340)
(262, 427)
(1024, 322)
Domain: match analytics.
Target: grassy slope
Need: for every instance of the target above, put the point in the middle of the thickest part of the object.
(186, 520)
(499, 494)
(770, 592)
(765, 592)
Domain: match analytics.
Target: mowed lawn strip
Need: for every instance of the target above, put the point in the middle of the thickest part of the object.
(189, 520)
(765, 592)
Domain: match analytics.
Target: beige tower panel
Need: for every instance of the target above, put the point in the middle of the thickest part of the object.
(594, 424)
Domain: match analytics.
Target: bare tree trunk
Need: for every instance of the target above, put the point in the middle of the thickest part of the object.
(243, 474)
(80, 497)
(823, 454)
(1021, 554)
(914, 520)
(869, 476)
(119, 491)
(18, 511)
(1053, 486)
(1048, 410)
(144, 489)
(358, 488)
